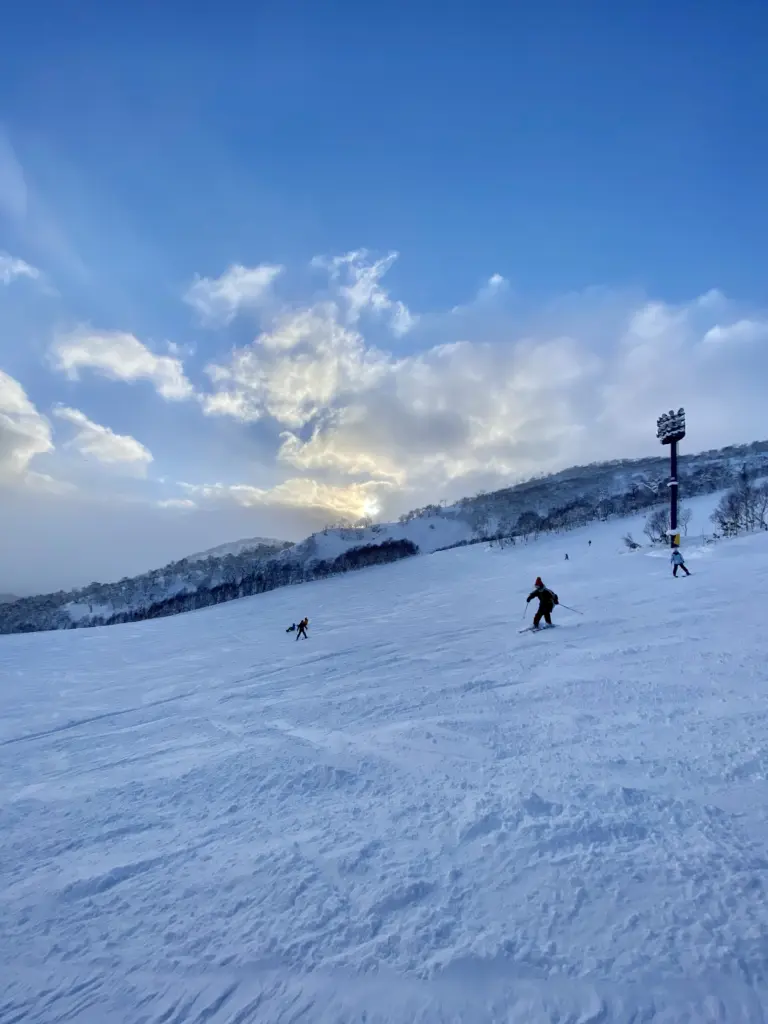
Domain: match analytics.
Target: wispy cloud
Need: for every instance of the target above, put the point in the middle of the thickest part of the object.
(33, 219)
(13, 185)
(100, 443)
(185, 504)
(494, 288)
(362, 290)
(120, 356)
(12, 268)
(218, 300)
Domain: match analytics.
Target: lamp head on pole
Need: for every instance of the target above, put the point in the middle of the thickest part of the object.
(670, 426)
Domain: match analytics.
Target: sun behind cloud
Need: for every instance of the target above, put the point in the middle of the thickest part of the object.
(371, 507)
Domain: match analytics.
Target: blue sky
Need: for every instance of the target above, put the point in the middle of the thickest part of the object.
(574, 191)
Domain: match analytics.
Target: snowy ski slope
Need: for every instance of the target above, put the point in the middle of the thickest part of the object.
(417, 815)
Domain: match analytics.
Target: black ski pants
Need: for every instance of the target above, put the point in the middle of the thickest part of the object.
(674, 571)
(544, 612)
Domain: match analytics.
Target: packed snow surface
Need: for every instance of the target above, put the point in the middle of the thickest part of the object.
(417, 815)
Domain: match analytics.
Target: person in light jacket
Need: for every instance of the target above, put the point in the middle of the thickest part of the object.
(678, 563)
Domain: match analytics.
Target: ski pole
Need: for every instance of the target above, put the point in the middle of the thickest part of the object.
(525, 611)
(568, 608)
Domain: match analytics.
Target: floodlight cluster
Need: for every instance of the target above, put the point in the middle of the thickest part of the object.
(670, 426)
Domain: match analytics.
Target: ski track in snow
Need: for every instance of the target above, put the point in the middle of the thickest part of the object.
(417, 815)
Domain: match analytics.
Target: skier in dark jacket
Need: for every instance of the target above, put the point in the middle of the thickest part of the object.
(547, 601)
(302, 631)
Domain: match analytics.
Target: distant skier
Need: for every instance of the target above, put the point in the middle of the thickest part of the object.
(590, 544)
(547, 601)
(566, 556)
(303, 629)
(678, 563)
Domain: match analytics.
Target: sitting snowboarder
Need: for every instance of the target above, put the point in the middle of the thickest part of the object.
(291, 628)
(678, 562)
(303, 629)
(547, 601)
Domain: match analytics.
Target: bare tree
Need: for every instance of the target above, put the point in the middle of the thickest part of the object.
(657, 525)
(742, 509)
(630, 542)
(761, 505)
(727, 515)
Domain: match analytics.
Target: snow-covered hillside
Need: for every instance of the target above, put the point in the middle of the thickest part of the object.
(417, 815)
(428, 532)
(237, 547)
(554, 504)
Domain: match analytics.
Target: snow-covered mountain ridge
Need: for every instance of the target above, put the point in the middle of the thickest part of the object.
(561, 501)
(238, 547)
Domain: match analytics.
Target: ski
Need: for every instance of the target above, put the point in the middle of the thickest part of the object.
(534, 629)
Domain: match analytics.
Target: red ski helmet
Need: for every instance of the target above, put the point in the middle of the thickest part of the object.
(538, 582)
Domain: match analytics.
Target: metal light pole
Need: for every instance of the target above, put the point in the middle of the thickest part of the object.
(670, 428)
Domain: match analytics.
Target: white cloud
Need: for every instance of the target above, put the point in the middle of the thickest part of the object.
(296, 371)
(12, 268)
(233, 403)
(453, 411)
(742, 332)
(363, 290)
(310, 357)
(44, 484)
(402, 319)
(337, 449)
(101, 443)
(438, 415)
(585, 380)
(24, 433)
(218, 300)
(177, 503)
(350, 501)
(120, 356)
(494, 287)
